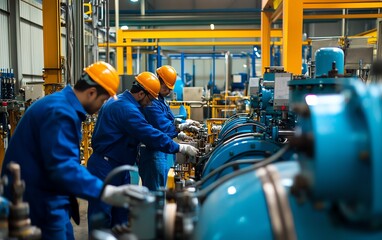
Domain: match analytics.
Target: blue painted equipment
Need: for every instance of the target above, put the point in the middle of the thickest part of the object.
(242, 147)
(337, 184)
(329, 76)
(238, 81)
(178, 89)
(239, 124)
(346, 131)
(331, 55)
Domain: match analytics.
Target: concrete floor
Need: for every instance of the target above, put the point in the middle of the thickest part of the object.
(81, 231)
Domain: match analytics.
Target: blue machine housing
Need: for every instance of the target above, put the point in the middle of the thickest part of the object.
(178, 88)
(333, 191)
(326, 57)
(242, 208)
(346, 165)
(245, 146)
(239, 124)
(240, 85)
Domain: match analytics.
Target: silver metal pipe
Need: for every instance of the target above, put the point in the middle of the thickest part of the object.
(107, 26)
(286, 133)
(116, 8)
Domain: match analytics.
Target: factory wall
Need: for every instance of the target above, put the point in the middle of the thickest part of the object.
(4, 35)
(203, 69)
(31, 41)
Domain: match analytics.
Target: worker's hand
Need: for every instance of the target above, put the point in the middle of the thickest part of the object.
(188, 149)
(190, 125)
(183, 137)
(193, 123)
(121, 196)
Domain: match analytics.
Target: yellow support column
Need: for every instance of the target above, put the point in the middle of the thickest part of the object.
(265, 40)
(120, 60)
(292, 35)
(129, 58)
(52, 46)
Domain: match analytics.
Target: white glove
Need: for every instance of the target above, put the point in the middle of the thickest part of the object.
(120, 196)
(183, 126)
(183, 137)
(194, 123)
(188, 149)
(190, 124)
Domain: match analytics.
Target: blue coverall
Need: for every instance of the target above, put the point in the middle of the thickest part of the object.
(46, 145)
(120, 127)
(154, 165)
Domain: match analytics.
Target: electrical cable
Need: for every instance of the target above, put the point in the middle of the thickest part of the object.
(115, 172)
(203, 193)
(243, 125)
(225, 166)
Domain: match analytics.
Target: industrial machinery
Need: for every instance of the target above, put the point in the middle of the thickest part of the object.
(87, 131)
(11, 109)
(253, 136)
(15, 222)
(329, 74)
(335, 183)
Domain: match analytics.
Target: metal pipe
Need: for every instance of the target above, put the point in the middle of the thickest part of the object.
(138, 60)
(213, 71)
(142, 58)
(207, 11)
(143, 8)
(107, 26)
(79, 45)
(248, 63)
(227, 72)
(182, 67)
(286, 133)
(253, 62)
(116, 25)
(343, 26)
(95, 18)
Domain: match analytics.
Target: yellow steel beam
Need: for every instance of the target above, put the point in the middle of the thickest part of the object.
(292, 36)
(265, 40)
(341, 16)
(277, 13)
(371, 33)
(338, 1)
(52, 46)
(129, 58)
(120, 65)
(175, 44)
(277, 3)
(176, 34)
(334, 5)
(266, 4)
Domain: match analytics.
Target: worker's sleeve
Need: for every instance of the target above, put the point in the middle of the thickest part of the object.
(157, 117)
(134, 123)
(59, 142)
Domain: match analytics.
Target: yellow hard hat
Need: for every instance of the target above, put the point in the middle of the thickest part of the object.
(105, 75)
(149, 82)
(168, 75)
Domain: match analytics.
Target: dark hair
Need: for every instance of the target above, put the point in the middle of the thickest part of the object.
(136, 88)
(85, 82)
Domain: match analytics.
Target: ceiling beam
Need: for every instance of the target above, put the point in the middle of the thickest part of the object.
(336, 5)
(192, 34)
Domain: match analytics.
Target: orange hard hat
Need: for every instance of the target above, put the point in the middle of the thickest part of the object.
(168, 75)
(105, 75)
(149, 82)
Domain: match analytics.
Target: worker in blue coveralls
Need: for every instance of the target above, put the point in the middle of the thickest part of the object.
(120, 127)
(46, 146)
(154, 165)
